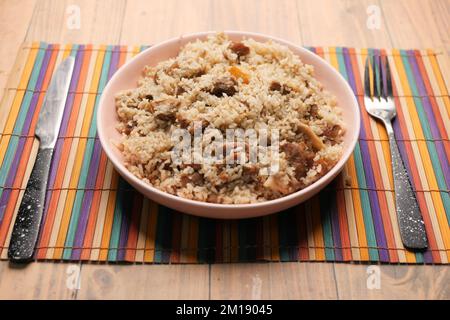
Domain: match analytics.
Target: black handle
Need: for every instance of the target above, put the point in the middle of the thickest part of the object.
(28, 220)
(412, 227)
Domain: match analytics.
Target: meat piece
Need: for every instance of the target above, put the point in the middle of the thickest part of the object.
(194, 74)
(179, 91)
(195, 178)
(184, 123)
(299, 157)
(300, 171)
(224, 85)
(168, 117)
(165, 110)
(250, 173)
(205, 123)
(293, 150)
(240, 49)
(275, 86)
(184, 181)
(188, 125)
(285, 90)
(332, 133)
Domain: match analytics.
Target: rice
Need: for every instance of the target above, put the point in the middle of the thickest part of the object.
(215, 85)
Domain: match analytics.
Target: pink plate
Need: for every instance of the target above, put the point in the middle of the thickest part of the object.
(126, 77)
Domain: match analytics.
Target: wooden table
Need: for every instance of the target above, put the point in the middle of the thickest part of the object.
(357, 23)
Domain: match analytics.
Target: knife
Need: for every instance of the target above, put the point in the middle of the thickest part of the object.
(28, 220)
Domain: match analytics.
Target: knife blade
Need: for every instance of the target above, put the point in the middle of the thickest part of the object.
(28, 220)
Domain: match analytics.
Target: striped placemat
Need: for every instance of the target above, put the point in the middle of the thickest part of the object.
(93, 214)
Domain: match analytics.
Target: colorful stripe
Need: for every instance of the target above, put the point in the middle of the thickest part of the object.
(91, 213)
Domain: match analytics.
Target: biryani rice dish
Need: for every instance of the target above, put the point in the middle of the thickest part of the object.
(221, 84)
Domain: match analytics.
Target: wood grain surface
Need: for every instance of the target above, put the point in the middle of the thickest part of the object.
(402, 23)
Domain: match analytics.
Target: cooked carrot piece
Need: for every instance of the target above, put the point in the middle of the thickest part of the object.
(238, 73)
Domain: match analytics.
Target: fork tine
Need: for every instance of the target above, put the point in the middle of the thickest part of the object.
(388, 79)
(381, 76)
(376, 77)
(367, 78)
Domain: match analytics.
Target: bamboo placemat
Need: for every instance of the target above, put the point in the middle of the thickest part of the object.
(93, 214)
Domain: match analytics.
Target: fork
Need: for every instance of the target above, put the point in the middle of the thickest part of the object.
(381, 105)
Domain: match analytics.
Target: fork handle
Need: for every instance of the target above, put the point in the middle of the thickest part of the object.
(412, 227)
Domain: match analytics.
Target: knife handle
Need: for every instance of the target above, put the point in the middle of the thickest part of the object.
(28, 220)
